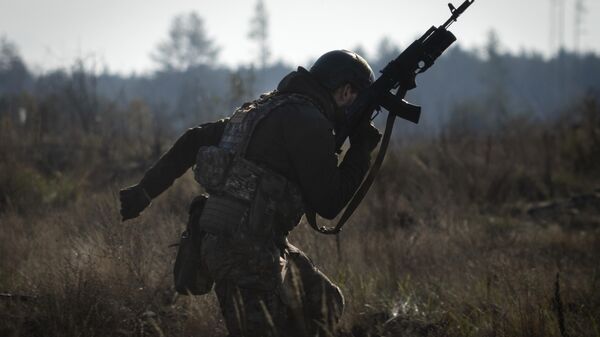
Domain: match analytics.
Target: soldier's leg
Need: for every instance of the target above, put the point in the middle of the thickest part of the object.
(315, 302)
(247, 283)
(250, 312)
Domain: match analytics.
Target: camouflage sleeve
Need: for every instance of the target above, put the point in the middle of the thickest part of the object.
(310, 143)
(180, 157)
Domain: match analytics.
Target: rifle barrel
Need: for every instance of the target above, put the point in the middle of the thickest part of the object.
(456, 12)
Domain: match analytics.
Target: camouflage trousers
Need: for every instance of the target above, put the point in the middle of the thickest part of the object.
(264, 290)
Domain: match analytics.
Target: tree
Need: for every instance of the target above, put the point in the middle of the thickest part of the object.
(13, 72)
(385, 52)
(259, 32)
(496, 78)
(187, 45)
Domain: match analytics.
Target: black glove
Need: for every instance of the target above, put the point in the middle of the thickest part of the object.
(134, 200)
(366, 137)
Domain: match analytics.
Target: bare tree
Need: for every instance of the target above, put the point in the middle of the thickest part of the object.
(259, 32)
(187, 45)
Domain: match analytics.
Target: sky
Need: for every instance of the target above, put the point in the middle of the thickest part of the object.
(120, 35)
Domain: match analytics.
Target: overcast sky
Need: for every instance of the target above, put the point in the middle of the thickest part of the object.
(121, 34)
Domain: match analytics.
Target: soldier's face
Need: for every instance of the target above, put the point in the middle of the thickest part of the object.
(344, 96)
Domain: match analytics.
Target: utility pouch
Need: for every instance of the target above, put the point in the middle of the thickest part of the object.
(289, 209)
(212, 164)
(243, 179)
(223, 215)
(276, 206)
(191, 276)
(269, 191)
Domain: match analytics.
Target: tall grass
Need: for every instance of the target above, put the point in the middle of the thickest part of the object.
(445, 244)
(472, 275)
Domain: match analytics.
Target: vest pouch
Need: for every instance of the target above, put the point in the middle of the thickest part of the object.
(270, 189)
(223, 215)
(243, 179)
(277, 206)
(191, 276)
(261, 215)
(212, 163)
(290, 208)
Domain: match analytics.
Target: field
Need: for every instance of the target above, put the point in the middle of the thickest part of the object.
(466, 233)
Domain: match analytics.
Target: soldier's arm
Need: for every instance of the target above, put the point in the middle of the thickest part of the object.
(310, 143)
(180, 157)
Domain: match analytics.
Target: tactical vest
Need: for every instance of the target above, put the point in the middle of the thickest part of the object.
(246, 199)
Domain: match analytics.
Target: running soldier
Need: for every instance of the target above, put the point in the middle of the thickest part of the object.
(263, 167)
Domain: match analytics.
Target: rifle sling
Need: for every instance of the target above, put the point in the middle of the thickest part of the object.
(364, 187)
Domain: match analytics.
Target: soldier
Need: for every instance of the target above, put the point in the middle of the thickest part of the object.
(262, 167)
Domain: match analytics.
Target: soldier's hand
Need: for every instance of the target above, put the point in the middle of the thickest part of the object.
(134, 200)
(366, 137)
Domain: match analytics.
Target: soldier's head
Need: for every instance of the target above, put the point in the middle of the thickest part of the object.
(344, 74)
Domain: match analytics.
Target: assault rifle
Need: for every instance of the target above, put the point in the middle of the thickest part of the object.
(388, 91)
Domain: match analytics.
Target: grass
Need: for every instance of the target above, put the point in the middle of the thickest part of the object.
(442, 246)
(467, 274)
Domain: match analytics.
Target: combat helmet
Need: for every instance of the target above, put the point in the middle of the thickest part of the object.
(337, 67)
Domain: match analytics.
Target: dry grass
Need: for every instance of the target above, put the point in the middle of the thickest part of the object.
(443, 246)
(466, 275)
